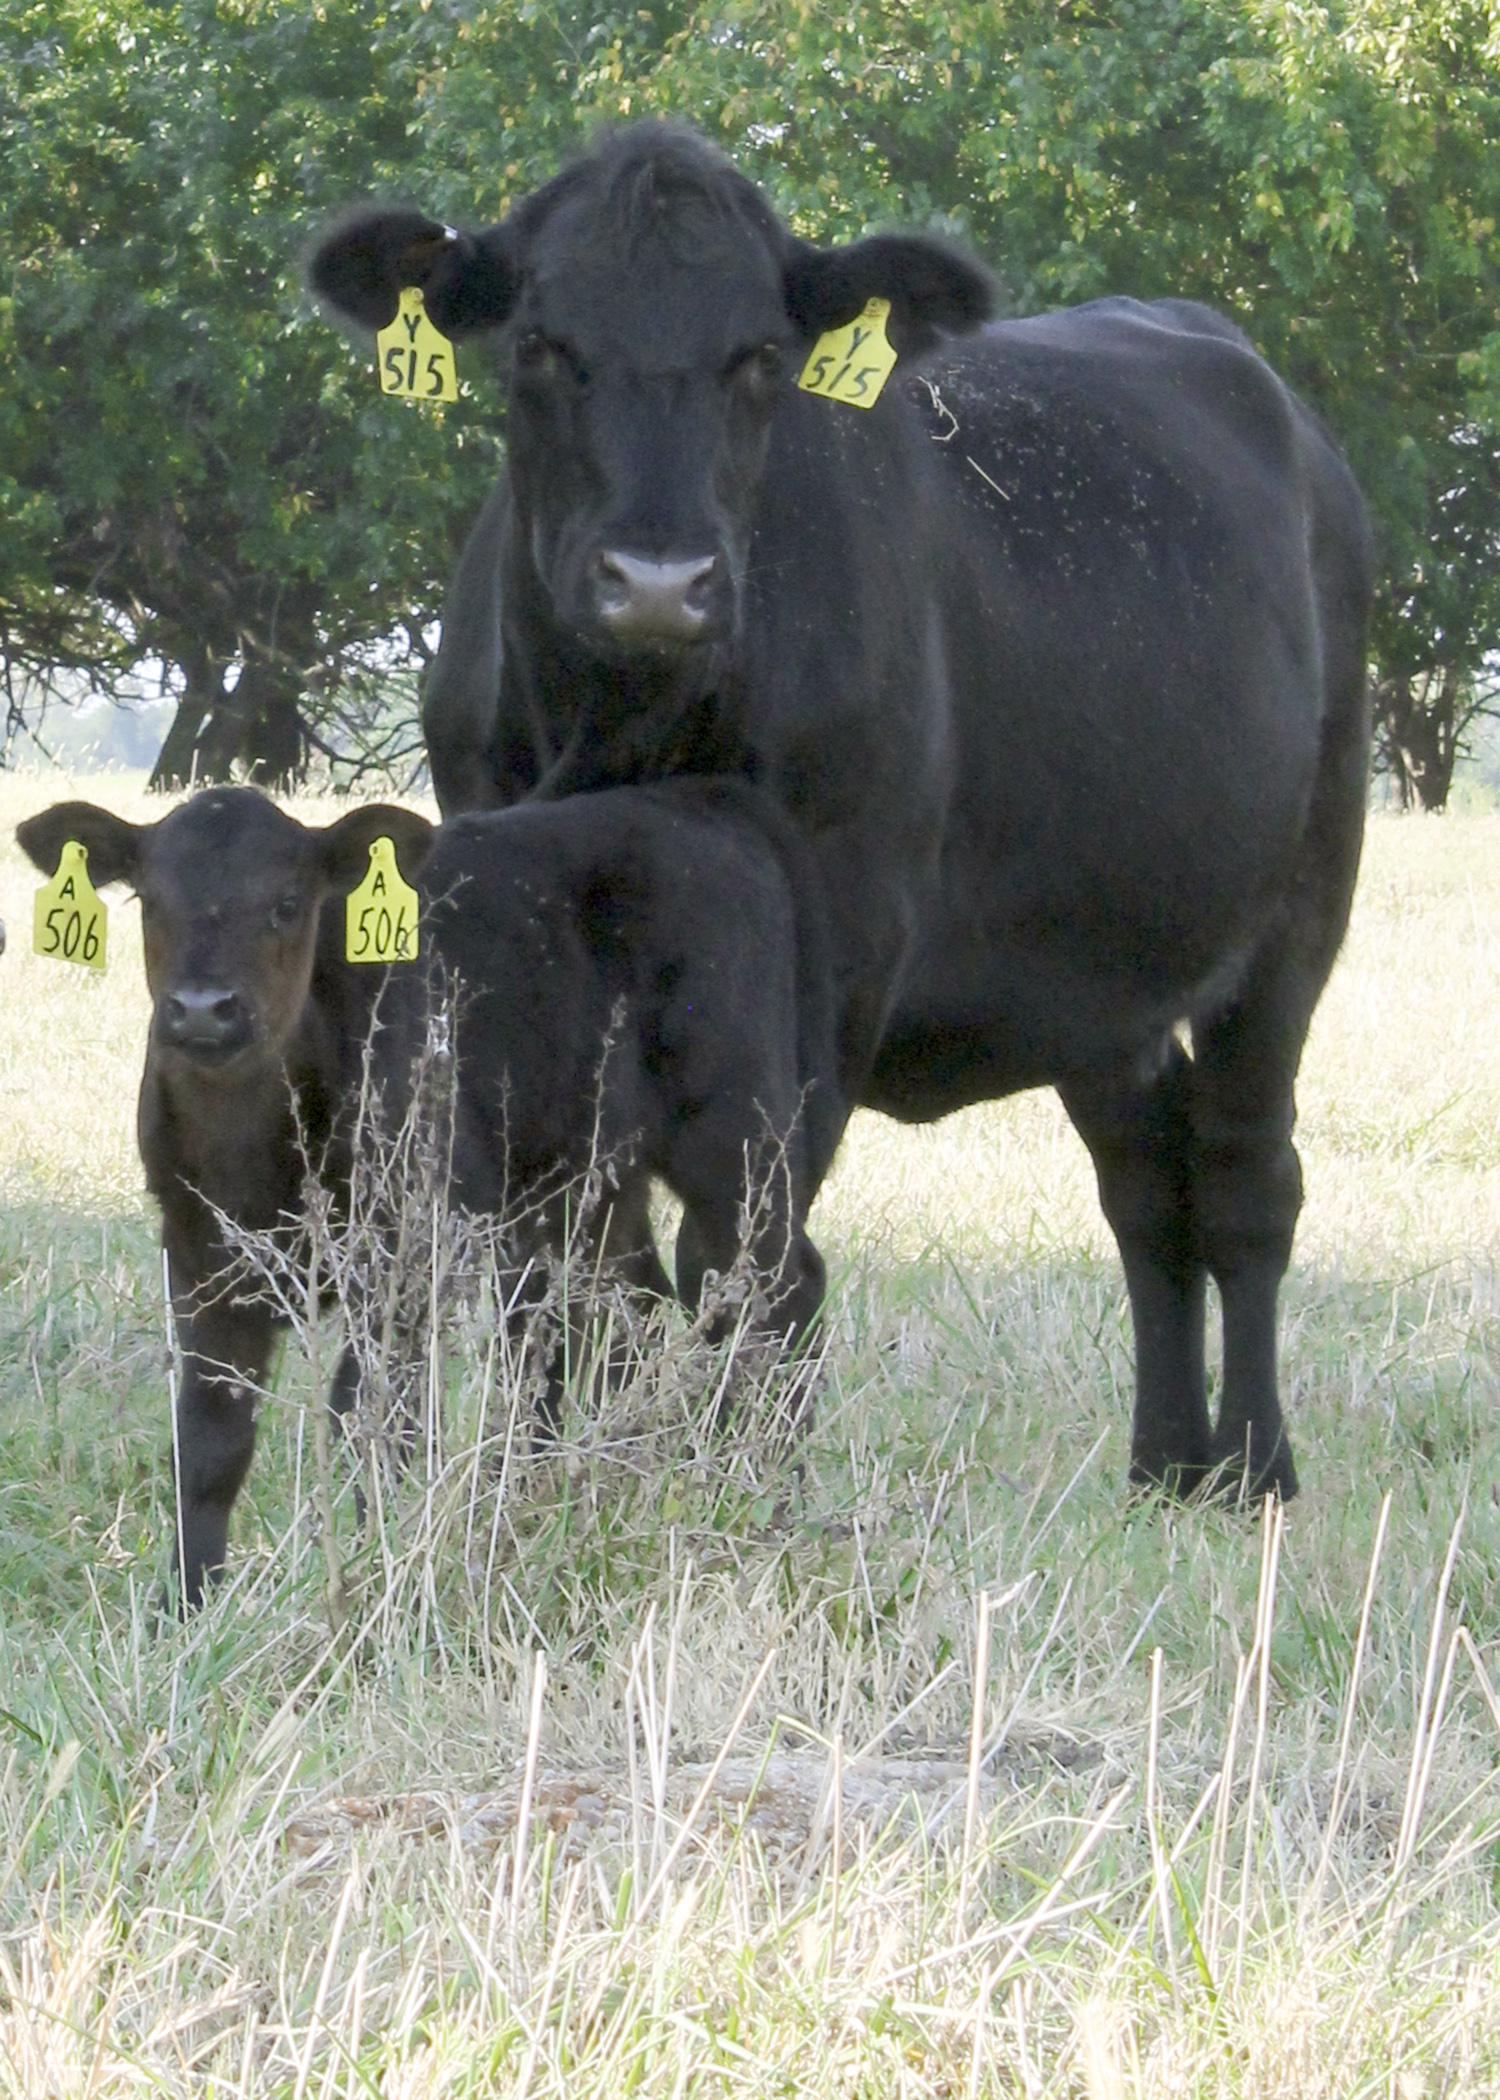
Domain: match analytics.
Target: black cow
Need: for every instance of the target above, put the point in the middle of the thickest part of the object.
(1055, 654)
(640, 984)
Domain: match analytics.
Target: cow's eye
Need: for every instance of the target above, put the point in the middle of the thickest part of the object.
(286, 911)
(539, 356)
(758, 368)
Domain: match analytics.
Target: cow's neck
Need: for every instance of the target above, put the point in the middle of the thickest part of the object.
(598, 724)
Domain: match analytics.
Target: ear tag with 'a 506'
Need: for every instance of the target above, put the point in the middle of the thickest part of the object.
(71, 920)
(851, 364)
(380, 917)
(416, 360)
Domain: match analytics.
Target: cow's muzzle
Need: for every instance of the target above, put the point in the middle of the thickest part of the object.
(205, 1023)
(651, 603)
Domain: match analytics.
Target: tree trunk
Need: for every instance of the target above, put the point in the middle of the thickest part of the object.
(177, 764)
(1420, 723)
(275, 746)
(256, 729)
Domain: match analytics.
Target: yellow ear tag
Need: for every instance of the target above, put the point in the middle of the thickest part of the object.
(852, 363)
(380, 917)
(416, 360)
(71, 919)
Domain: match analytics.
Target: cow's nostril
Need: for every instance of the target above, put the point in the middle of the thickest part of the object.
(701, 584)
(611, 583)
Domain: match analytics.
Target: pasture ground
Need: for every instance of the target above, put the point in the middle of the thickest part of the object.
(661, 1766)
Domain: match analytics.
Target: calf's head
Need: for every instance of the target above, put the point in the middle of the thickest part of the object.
(655, 312)
(230, 890)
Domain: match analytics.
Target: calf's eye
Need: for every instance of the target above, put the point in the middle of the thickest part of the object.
(286, 911)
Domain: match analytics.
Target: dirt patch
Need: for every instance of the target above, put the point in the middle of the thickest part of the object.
(786, 1801)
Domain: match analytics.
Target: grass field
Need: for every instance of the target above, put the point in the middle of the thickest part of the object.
(660, 1767)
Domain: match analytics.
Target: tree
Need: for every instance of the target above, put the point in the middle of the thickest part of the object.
(191, 468)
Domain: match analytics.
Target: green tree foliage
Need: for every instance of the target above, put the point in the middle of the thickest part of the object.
(191, 469)
(1325, 172)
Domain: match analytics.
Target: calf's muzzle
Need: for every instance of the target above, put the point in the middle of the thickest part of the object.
(204, 1021)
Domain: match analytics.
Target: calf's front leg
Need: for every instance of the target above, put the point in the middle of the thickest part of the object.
(225, 1350)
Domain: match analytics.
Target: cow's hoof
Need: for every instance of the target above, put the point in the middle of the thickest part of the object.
(1171, 1480)
(1235, 1480)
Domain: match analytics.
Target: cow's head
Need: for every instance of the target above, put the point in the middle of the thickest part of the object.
(230, 889)
(655, 312)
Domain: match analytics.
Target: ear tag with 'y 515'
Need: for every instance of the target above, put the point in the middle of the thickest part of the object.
(71, 919)
(380, 917)
(852, 363)
(416, 359)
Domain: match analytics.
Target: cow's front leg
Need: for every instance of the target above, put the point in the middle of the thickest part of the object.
(225, 1350)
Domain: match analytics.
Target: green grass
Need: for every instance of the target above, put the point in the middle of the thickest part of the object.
(1218, 1816)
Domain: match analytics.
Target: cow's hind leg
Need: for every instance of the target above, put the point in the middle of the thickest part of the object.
(595, 1346)
(786, 1272)
(1247, 1187)
(1247, 1183)
(1140, 1135)
(746, 1201)
(629, 1246)
(555, 1304)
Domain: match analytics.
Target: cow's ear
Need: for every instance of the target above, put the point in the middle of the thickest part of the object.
(115, 847)
(345, 846)
(363, 263)
(935, 289)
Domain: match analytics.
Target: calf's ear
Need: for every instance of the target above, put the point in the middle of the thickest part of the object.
(115, 848)
(345, 846)
(364, 261)
(935, 289)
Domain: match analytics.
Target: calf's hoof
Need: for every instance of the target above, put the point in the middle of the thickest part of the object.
(175, 1606)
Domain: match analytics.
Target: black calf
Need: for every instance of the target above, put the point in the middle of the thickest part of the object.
(667, 940)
